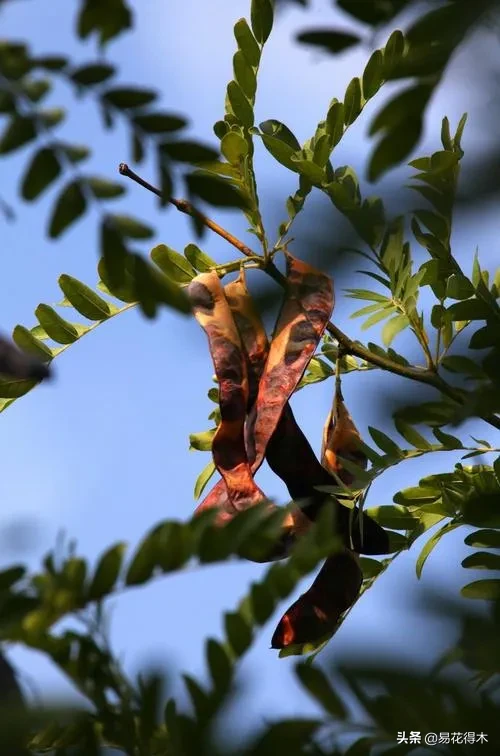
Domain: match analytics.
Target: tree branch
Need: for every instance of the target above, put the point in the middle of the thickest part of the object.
(186, 207)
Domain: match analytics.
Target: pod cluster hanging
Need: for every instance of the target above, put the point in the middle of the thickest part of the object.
(256, 379)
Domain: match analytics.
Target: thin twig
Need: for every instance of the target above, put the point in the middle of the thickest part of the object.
(186, 207)
(421, 375)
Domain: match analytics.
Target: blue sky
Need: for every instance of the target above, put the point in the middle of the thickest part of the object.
(102, 452)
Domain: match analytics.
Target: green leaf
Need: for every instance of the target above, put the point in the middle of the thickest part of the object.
(42, 171)
(460, 364)
(469, 309)
(240, 105)
(377, 317)
(247, 42)
(159, 123)
(130, 227)
(262, 602)
(496, 468)
(406, 104)
(74, 152)
(219, 664)
(238, 632)
(51, 117)
(244, 74)
(199, 259)
(417, 496)
(124, 98)
(481, 510)
(317, 684)
(144, 562)
(432, 543)
(373, 75)
(261, 18)
(451, 442)
(19, 131)
(335, 122)
(36, 89)
(280, 150)
(370, 567)
(384, 442)
(202, 441)
(393, 327)
(55, 326)
(105, 21)
(234, 147)
(411, 435)
(175, 545)
(107, 572)
(482, 560)
(202, 479)
(103, 188)
(187, 151)
(352, 101)
(394, 147)
(489, 539)
(215, 191)
(84, 299)
(30, 343)
(10, 576)
(92, 74)
(487, 590)
(330, 40)
(70, 205)
(51, 62)
(393, 52)
(174, 265)
(436, 224)
(429, 413)
(392, 516)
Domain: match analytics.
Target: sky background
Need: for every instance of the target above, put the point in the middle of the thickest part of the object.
(102, 452)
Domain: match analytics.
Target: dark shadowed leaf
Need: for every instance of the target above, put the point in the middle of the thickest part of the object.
(394, 147)
(238, 632)
(489, 539)
(315, 681)
(106, 20)
(92, 74)
(431, 544)
(219, 664)
(19, 131)
(215, 191)
(130, 227)
(70, 205)
(159, 123)
(104, 188)
(42, 171)
(487, 590)
(107, 572)
(331, 40)
(124, 98)
(482, 560)
(189, 152)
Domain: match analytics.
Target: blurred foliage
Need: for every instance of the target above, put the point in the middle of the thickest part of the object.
(434, 31)
(131, 716)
